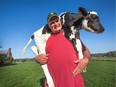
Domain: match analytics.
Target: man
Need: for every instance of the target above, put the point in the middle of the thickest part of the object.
(61, 58)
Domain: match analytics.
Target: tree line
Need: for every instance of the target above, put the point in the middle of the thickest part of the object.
(5, 60)
(109, 54)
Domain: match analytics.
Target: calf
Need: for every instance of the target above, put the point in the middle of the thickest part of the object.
(72, 23)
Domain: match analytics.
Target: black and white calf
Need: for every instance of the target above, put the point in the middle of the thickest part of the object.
(72, 23)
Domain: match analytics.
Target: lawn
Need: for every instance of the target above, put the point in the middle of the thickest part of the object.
(21, 75)
(99, 74)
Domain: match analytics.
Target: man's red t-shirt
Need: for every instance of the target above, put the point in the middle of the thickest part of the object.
(61, 62)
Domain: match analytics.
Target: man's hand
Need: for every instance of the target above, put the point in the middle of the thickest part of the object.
(82, 63)
(42, 58)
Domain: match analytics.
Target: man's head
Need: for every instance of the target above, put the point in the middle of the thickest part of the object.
(54, 22)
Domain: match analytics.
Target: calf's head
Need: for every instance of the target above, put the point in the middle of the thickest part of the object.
(91, 21)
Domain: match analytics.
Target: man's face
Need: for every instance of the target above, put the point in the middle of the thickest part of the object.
(55, 25)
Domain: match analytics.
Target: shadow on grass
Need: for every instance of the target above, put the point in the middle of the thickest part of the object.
(42, 82)
(3, 65)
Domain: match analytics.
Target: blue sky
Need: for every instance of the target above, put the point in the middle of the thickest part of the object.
(20, 18)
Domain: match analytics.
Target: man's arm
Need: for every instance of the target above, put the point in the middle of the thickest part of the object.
(86, 53)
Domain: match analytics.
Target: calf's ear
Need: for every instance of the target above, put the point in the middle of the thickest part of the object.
(82, 11)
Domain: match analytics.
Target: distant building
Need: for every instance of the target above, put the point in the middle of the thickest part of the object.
(6, 56)
(6, 53)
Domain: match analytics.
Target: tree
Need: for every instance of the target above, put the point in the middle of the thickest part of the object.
(0, 44)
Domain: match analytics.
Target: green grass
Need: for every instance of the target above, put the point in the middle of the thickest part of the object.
(21, 75)
(99, 74)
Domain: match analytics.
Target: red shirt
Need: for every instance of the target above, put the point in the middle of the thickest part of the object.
(61, 62)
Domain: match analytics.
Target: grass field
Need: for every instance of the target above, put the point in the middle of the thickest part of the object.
(99, 74)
